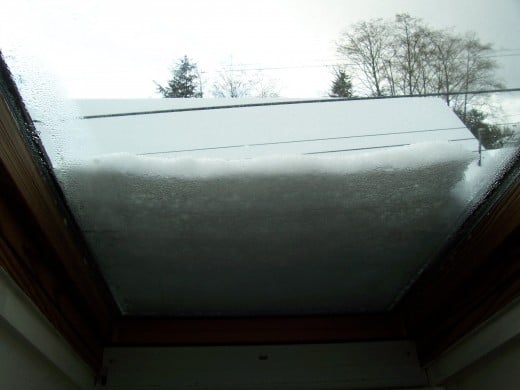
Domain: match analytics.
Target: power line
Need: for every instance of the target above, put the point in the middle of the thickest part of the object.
(247, 68)
(326, 65)
(290, 102)
(505, 124)
(378, 147)
(506, 49)
(353, 149)
(301, 140)
(462, 139)
(341, 150)
(503, 55)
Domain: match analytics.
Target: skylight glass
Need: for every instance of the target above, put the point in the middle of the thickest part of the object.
(278, 199)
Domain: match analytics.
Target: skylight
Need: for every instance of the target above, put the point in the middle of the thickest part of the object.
(299, 209)
(270, 205)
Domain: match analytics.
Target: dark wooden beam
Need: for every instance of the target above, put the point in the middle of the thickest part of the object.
(243, 331)
(26, 257)
(479, 276)
(40, 244)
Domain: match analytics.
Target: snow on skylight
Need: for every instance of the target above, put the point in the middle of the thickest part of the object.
(300, 209)
(272, 235)
(407, 157)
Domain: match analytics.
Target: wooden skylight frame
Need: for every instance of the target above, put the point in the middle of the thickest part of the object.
(42, 249)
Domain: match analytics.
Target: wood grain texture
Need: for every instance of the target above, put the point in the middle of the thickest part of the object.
(26, 256)
(39, 245)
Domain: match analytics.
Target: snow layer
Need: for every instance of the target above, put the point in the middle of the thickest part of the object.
(406, 157)
(228, 212)
(480, 179)
(251, 132)
(265, 236)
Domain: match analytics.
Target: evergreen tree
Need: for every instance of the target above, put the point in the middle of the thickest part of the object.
(341, 85)
(185, 83)
(491, 136)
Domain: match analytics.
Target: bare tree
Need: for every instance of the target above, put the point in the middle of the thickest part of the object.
(265, 87)
(479, 67)
(462, 63)
(448, 64)
(232, 84)
(238, 84)
(407, 57)
(412, 54)
(367, 45)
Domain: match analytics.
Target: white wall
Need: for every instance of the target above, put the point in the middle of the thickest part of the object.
(33, 355)
(23, 367)
(368, 365)
(486, 359)
(500, 370)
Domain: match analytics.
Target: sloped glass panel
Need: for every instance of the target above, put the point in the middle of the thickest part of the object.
(295, 204)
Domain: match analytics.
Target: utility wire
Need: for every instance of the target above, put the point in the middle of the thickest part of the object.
(350, 150)
(376, 147)
(302, 140)
(502, 55)
(324, 64)
(505, 124)
(291, 102)
(506, 49)
(280, 67)
(462, 139)
(335, 150)
(246, 68)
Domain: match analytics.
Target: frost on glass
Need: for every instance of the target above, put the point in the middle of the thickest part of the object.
(66, 139)
(321, 212)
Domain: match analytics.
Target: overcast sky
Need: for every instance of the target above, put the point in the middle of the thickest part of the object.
(117, 48)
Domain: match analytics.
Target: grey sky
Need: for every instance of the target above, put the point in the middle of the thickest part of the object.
(116, 48)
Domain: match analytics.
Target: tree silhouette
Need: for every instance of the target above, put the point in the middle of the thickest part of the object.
(185, 83)
(341, 85)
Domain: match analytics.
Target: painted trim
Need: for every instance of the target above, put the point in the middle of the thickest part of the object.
(363, 365)
(500, 329)
(17, 310)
